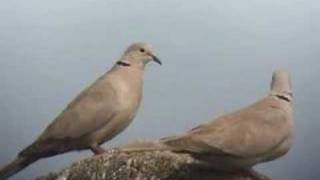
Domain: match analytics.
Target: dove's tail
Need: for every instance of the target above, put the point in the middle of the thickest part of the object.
(144, 146)
(15, 166)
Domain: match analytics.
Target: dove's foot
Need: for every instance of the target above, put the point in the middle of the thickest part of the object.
(97, 150)
(251, 173)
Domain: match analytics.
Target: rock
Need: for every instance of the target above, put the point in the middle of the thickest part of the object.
(147, 165)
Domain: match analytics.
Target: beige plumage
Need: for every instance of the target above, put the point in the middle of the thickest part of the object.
(258, 133)
(95, 116)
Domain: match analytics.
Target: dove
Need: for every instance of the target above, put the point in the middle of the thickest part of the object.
(258, 133)
(96, 115)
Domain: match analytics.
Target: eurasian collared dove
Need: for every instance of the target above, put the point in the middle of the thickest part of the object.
(258, 133)
(95, 116)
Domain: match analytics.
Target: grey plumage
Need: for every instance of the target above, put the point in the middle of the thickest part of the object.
(258, 133)
(95, 116)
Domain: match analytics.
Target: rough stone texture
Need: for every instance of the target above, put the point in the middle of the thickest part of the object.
(148, 165)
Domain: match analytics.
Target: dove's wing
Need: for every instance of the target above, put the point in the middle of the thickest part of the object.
(89, 111)
(249, 132)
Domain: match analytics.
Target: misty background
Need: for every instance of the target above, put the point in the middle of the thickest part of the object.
(217, 56)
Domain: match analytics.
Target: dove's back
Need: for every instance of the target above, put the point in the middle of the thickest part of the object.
(257, 133)
(110, 103)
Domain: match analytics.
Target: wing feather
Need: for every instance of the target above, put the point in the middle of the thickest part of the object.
(251, 131)
(89, 111)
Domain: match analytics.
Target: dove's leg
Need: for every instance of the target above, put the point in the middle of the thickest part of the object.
(96, 149)
(255, 175)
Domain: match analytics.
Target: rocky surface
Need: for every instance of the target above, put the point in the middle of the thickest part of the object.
(147, 165)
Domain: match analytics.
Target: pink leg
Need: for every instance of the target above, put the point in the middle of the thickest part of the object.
(97, 150)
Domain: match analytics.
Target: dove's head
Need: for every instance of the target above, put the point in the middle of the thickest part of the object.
(281, 84)
(138, 54)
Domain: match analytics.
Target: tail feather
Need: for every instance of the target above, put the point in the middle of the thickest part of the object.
(15, 166)
(141, 145)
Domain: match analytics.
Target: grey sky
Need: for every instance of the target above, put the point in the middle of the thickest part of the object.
(217, 55)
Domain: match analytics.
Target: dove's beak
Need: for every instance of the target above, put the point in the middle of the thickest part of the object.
(155, 59)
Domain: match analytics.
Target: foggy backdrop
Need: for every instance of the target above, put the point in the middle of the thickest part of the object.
(218, 56)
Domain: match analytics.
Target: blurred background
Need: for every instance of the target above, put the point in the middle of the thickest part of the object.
(218, 56)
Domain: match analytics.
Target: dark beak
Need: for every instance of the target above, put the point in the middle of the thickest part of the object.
(155, 59)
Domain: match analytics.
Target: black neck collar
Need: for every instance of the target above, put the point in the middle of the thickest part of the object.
(282, 97)
(121, 63)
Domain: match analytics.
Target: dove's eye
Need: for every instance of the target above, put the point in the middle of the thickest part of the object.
(142, 50)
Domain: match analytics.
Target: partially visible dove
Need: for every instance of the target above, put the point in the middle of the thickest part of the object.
(258, 133)
(96, 115)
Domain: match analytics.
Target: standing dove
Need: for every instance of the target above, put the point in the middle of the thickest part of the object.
(96, 115)
(257, 133)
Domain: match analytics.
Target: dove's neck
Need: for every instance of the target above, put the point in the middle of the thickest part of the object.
(283, 101)
(284, 96)
(128, 80)
(130, 62)
(127, 65)
(281, 86)
(129, 73)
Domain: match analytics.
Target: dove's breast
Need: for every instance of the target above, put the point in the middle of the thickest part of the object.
(128, 94)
